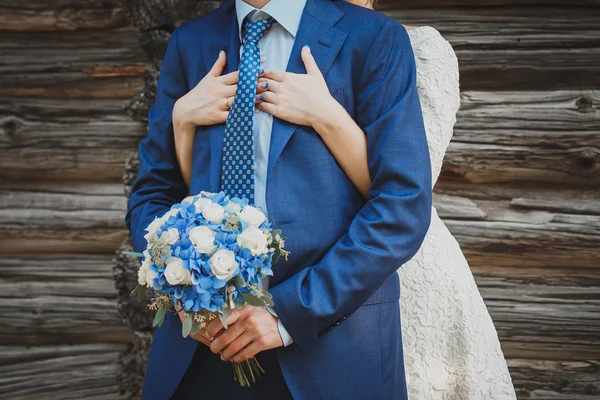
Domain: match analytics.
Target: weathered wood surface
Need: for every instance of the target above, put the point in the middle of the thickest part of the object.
(58, 139)
(394, 4)
(60, 15)
(82, 64)
(524, 48)
(555, 380)
(61, 218)
(60, 372)
(59, 299)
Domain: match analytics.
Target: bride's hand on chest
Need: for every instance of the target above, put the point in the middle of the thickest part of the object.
(301, 99)
(209, 101)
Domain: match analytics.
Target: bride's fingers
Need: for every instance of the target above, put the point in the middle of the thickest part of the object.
(268, 108)
(269, 97)
(270, 85)
(274, 75)
(228, 102)
(229, 91)
(230, 78)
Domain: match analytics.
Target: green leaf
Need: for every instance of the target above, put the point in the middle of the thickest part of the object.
(195, 327)
(159, 318)
(238, 281)
(276, 232)
(225, 310)
(133, 253)
(187, 326)
(276, 255)
(253, 300)
(223, 321)
(140, 292)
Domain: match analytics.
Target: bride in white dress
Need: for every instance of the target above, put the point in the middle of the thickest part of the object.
(451, 347)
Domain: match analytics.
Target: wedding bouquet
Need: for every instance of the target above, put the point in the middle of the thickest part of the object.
(205, 257)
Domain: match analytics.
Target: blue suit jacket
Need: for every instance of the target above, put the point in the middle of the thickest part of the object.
(344, 251)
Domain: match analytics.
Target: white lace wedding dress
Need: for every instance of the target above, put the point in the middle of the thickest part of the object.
(451, 347)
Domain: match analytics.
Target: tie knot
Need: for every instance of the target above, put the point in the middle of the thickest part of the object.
(256, 29)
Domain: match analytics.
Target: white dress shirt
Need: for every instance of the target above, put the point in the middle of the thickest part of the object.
(275, 50)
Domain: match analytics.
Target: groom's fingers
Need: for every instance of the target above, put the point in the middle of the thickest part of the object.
(215, 326)
(201, 338)
(309, 62)
(226, 337)
(248, 352)
(236, 346)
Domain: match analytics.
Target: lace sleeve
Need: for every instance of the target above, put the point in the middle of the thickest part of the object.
(438, 86)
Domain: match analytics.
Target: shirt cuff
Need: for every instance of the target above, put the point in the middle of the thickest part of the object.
(285, 336)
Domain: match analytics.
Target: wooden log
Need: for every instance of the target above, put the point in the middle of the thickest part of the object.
(59, 218)
(87, 64)
(503, 28)
(506, 48)
(527, 136)
(536, 236)
(387, 4)
(60, 372)
(61, 15)
(553, 322)
(555, 380)
(57, 139)
(57, 299)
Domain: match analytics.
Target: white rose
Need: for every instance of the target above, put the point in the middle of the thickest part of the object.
(203, 239)
(233, 207)
(223, 264)
(252, 216)
(254, 239)
(213, 213)
(152, 228)
(201, 203)
(171, 236)
(176, 274)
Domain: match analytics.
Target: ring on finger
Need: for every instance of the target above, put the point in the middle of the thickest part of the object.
(227, 106)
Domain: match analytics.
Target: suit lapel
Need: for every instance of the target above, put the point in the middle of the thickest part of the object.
(228, 41)
(317, 31)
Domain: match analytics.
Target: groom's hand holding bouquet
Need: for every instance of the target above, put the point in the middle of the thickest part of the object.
(205, 260)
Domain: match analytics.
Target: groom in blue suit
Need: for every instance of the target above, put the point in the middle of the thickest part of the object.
(336, 299)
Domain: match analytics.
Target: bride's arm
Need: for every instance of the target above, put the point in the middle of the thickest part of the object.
(305, 100)
(184, 144)
(348, 144)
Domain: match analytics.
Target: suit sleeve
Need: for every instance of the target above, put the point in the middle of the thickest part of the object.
(391, 227)
(159, 183)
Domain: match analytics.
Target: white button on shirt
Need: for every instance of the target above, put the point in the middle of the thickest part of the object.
(275, 49)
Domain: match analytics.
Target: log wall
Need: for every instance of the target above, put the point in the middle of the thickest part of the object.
(519, 188)
(67, 67)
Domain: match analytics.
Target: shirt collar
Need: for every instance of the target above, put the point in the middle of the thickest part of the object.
(288, 13)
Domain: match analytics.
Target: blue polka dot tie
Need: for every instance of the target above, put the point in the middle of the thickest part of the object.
(237, 168)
